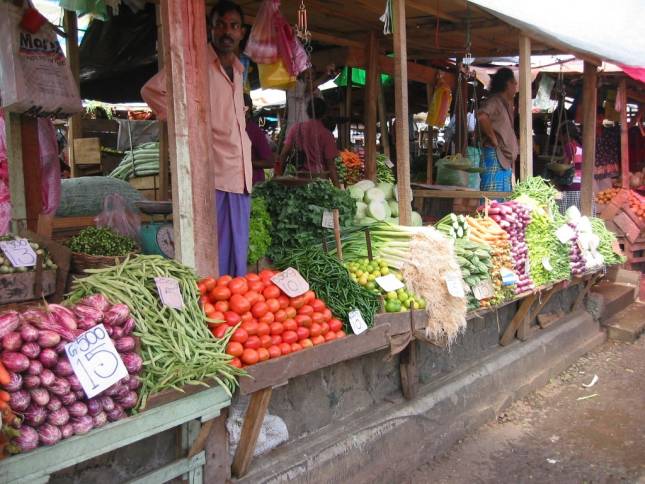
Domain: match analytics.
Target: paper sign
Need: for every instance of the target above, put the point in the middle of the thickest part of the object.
(389, 163)
(509, 278)
(95, 361)
(19, 252)
(484, 290)
(328, 219)
(389, 283)
(615, 246)
(565, 233)
(291, 282)
(455, 284)
(527, 266)
(169, 292)
(546, 263)
(357, 322)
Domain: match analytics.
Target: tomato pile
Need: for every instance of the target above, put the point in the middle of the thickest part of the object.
(268, 323)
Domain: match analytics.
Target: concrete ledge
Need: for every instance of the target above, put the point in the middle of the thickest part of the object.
(615, 298)
(384, 443)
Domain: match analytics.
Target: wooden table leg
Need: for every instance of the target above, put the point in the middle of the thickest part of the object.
(583, 293)
(520, 315)
(524, 329)
(251, 430)
(408, 367)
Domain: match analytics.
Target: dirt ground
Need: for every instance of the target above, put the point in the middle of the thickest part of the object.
(556, 435)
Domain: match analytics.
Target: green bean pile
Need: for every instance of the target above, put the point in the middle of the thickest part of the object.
(543, 244)
(607, 239)
(176, 345)
(540, 190)
(331, 282)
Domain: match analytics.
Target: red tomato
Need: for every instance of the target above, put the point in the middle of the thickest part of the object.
(316, 340)
(240, 336)
(276, 339)
(232, 318)
(239, 304)
(327, 314)
(263, 354)
(280, 315)
(238, 286)
(217, 316)
(236, 363)
(209, 283)
(221, 306)
(273, 304)
(256, 286)
(253, 342)
(324, 328)
(274, 351)
(317, 317)
(303, 320)
(307, 310)
(335, 325)
(223, 281)
(284, 301)
(315, 330)
(261, 298)
(303, 333)
(330, 336)
(267, 318)
(289, 337)
(297, 302)
(259, 309)
(247, 317)
(266, 274)
(306, 343)
(250, 357)
(285, 348)
(309, 296)
(291, 312)
(202, 288)
(290, 324)
(340, 334)
(295, 347)
(271, 292)
(208, 308)
(204, 299)
(277, 328)
(266, 341)
(252, 277)
(251, 327)
(263, 329)
(219, 330)
(234, 348)
(252, 297)
(318, 305)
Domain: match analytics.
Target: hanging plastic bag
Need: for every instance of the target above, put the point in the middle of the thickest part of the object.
(291, 51)
(117, 216)
(5, 195)
(262, 46)
(275, 76)
(49, 166)
(35, 77)
(439, 106)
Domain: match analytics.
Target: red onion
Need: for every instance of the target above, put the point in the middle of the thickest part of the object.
(14, 384)
(9, 321)
(68, 398)
(34, 315)
(28, 439)
(116, 414)
(31, 381)
(100, 419)
(47, 378)
(129, 400)
(109, 329)
(35, 415)
(60, 386)
(35, 368)
(11, 341)
(54, 403)
(77, 409)
(19, 400)
(115, 390)
(86, 323)
(16, 362)
(116, 315)
(128, 326)
(96, 301)
(133, 362)
(47, 323)
(117, 332)
(74, 383)
(48, 358)
(134, 382)
(48, 339)
(125, 344)
(107, 403)
(88, 313)
(62, 316)
(28, 333)
(39, 396)
(67, 430)
(60, 347)
(63, 367)
(49, 434)
(30, 350)
(82, 425)
(80, 394)
(94, 406)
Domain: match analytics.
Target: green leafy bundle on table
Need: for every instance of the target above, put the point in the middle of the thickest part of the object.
(260, 230)
(101, 241)
(548, 257)
(383, 172)
(607, 241)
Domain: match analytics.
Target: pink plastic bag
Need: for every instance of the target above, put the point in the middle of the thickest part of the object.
(117, 216)
(291, 51)
(262, 45)
(5, 195)
(49, 165)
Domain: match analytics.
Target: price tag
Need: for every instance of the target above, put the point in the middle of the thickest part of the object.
(565, 233)
(484, 290)
(509, 278)
(291, 282)
(328, 219)
(95, 361)
(19, 252)
(546, 263)
(389, 163)
(389, 283)
(357, 322)
(455, 284)
(527, 266)
(169, 292)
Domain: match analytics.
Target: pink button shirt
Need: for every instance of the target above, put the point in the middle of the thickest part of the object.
(231, 147)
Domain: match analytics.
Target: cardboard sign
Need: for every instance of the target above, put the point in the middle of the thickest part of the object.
(291, 282)
(328, 219)
(389, 163)
(565, 233)
(454, 284)
(19, 252)
(389, 283)
(484, 290)
(95, 361)
(169, 292)
(357, 322)
(546, 263)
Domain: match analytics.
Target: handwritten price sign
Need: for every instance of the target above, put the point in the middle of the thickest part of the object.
(454, 284)
(169, 292)
(357, 322)
(291, 282)
(328, 219)
(19, 252)
(95, 361)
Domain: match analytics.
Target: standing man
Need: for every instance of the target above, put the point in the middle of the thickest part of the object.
(500, 143)
(230, 145)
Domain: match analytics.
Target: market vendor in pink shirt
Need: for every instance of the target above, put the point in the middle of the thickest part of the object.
(231, 147)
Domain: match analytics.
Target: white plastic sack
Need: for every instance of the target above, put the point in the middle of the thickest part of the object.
(35, 77)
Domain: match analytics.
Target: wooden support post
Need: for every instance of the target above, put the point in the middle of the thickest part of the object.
(401, 111)
(543, 299)
(189, 131)
(382, 113)
(164, 162)
(460, 112)
(74, 123)
(371, 103)
(589, 106)
(32, 166)
(526, 112)
(16, 174)
(348, 110)
(251, 430)
(624, 138)
(429, 159)
(518, 319)
(408, 368)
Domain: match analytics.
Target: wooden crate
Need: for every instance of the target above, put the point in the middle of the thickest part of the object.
(147, 185)
(87, 151)
(20, 286)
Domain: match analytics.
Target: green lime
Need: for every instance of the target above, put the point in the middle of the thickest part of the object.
(399, 276)
(385, 270)
(392, 306)
(391, 296)
(362, 280)
(371, 286)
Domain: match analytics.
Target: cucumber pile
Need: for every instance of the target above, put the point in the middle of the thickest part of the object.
(475, 263)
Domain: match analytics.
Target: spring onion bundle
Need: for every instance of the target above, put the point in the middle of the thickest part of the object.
(548, 257)
(454, 226)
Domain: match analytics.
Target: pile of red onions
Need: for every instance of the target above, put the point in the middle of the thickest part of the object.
(44, 388)
(513, 217)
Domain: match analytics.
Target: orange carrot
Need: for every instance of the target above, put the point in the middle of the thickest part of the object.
(5, 378)
(4, 396)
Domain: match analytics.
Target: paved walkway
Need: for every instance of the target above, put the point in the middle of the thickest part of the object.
(563, 433)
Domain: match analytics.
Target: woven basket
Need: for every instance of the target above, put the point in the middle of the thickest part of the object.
(80, 261)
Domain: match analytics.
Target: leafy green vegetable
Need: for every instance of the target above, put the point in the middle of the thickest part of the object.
(539, 190)
(383, 172)
(260, 229)
(607, 239)
(101, 241)
(546, 251)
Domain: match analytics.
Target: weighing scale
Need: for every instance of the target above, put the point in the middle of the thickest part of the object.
(157, 237)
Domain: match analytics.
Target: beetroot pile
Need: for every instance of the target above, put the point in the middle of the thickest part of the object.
(43, 387)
